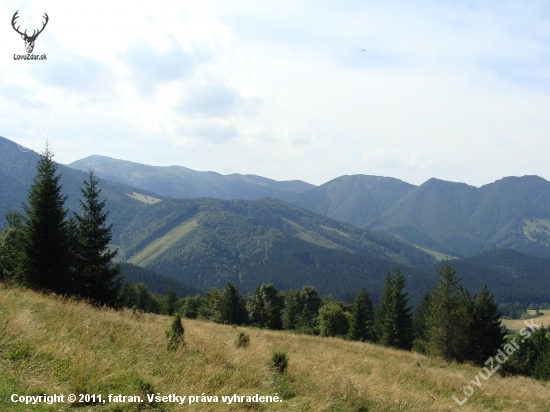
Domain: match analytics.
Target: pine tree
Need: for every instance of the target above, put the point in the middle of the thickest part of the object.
(292, 309)
(170, 301)
(485, 335)
(361, 325)
(448, 319)
(420, 323)
(382, 308)
(45, 261)
(394, 323)
(99, 279)
(309, 305)
(232, 306)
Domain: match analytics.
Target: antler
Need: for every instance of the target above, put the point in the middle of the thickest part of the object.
(43, 25)
(15, 16)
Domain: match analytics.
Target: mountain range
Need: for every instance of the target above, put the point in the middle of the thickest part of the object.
(451, 218)
(206, 242)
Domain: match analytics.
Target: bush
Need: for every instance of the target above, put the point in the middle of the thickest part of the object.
(278, 362)
(175, 333)
(243, 340)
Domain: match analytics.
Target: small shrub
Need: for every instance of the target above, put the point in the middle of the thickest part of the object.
(278, 362)
(175, 333)
(243, 340)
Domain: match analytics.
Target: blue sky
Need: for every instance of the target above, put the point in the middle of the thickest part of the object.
(454, 90)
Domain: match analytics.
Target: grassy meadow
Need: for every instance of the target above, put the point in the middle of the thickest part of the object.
(53, 345)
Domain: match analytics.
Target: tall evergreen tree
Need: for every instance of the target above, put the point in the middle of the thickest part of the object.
(395, 322)
(309, 308)
(382, 308)
(361, 325)
(485, 334)
(45, 261)
(448, 318)
(291, 309)
(99, 279)
(170, 301)
(233, 306)
(420, 323)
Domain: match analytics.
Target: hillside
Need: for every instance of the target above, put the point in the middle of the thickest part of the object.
(448, 217)
(356, 199)
(102, 351)
(181, 182)
(208, 242)
(18, 169)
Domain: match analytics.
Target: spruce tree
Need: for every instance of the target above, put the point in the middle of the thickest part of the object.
(45, 261)
(485, 334)
(394, 326)
(448, 318)
(99, 279)
(420, 323)
(170, 301)
(382, 308)
(361, 325)
(233, 306)
(292, 309)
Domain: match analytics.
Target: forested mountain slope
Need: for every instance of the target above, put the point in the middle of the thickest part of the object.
(452, 218)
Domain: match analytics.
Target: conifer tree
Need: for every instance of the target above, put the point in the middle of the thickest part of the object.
(45, 260)
(361, 325)
(233, 306)
(99, 279)
(485, 335)
(448, 318)
(394, 326)
(420, 323)
(309, 305)
(382, 308)
(291, 308)
(170, 301)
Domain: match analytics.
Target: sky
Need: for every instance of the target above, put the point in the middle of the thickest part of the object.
(309, 90)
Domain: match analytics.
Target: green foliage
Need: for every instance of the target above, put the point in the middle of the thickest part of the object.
(175, 334)
(45, 261)
(309, 305)
(189, 306)
(448, 318)
(242, 340)
(332, 321)
(531, 359)
(362, 321)
(170, 301)
(266, 307)
(232, 306)
(11, 241)
(137, 296)
(420, 317)
(209, 308)
(97, 279)
(393, 323)
(278, 361)
(484, 333)
(291, 308)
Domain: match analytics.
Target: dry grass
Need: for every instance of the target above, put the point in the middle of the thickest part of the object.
(51, 345)
(517, 324)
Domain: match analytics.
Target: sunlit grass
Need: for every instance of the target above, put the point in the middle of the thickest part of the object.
(53, 345)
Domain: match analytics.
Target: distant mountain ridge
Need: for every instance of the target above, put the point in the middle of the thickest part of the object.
(181, 182)
(452, 218)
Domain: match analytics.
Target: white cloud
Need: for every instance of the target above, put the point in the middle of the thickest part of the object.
(455, 90)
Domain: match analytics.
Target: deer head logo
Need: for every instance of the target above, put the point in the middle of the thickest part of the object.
(29, 40)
